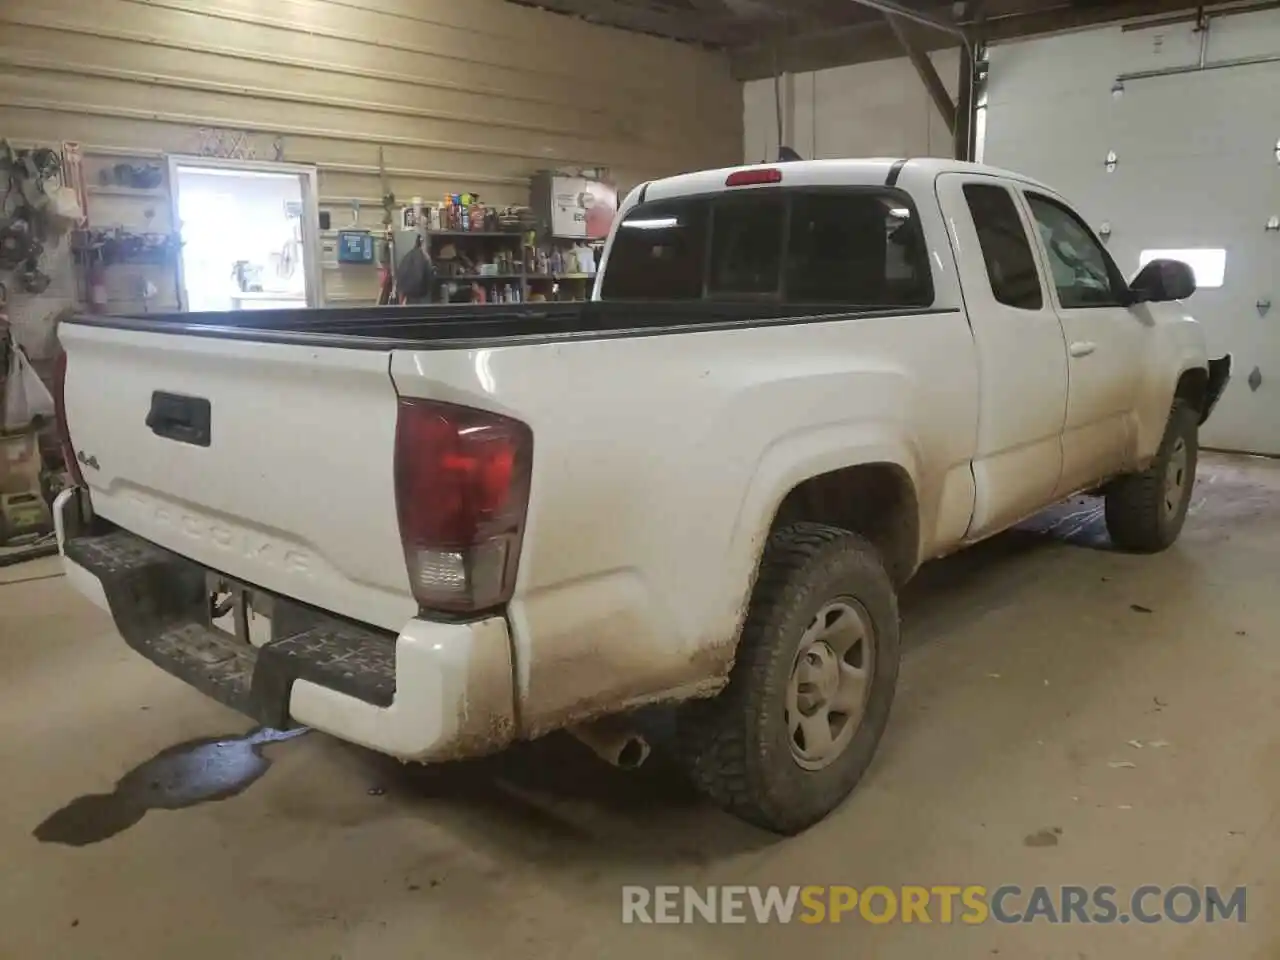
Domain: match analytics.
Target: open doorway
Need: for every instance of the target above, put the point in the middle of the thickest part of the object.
(250, 234)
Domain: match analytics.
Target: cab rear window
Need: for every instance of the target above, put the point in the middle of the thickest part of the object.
(847, 247)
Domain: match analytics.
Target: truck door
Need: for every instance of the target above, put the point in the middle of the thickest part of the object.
(1105, 344)
(1022, 357)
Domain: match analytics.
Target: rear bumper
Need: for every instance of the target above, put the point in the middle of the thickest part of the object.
(436, 691)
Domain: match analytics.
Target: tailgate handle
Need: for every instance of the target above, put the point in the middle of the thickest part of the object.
(185, 419)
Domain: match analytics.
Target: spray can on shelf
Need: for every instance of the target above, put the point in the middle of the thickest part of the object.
(97, 286)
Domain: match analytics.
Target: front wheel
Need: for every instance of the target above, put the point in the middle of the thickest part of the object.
(810, 691)
(1146, 511)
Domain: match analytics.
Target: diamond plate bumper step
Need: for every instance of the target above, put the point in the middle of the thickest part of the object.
(160, 603)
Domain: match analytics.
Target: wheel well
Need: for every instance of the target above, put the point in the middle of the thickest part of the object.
(1193, 387)
(876, 500)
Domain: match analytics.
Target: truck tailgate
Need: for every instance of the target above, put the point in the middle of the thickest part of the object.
(290, 488)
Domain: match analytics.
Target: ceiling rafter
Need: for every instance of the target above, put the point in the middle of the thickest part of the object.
(694, 25)
(916, 14)
(764, 36)
(1002, 20)
(927, 72)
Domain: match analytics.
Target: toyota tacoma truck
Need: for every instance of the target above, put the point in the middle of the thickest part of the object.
(436, 530)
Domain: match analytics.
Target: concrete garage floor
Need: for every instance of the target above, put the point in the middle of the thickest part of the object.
(1031, 662)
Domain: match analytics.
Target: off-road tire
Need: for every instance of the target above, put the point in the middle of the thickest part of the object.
(736, 747)
(1137, 517)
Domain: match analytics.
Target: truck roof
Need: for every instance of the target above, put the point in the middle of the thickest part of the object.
(852, 172)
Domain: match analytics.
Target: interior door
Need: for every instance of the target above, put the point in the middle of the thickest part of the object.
(1021, 352)
(1105, 342)
(226, 209)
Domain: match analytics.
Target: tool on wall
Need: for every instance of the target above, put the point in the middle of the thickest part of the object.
(135, 176)
(386, 265)
(33, 205)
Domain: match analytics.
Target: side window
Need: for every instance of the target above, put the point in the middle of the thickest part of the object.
(1082, 271)
(746, 246)
(858, 248)
(1011, 266)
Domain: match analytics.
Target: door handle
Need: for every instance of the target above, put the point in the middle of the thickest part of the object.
(1082, 348)
(185, 419)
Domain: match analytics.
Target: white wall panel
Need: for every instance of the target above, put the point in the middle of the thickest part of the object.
(1196, 168)
(864, 110)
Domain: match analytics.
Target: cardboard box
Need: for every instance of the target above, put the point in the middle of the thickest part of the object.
(23, 514)
(20, 463)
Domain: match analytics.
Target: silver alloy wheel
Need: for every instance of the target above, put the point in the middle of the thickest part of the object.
(1175, 477)
(830, 680)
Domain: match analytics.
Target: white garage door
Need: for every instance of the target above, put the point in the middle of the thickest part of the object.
(1196, 169)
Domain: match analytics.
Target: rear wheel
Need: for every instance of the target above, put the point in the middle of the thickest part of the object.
(1146, 511)
(810, 691)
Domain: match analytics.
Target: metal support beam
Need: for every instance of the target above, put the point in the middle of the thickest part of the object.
(919, 58)
(821, 50)
(895, 8)
(965, 104)
(1016, 24)
(862, 43)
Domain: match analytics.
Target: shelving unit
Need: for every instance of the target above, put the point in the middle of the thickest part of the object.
(114, 190)
(476, 247)
(579, 285)
(454, 234)
(101, 248)
(564, 285)
(476, 277)
(520, 255)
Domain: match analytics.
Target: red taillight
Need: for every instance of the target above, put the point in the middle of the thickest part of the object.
(60, 413)
(462, 493)
(753, 178)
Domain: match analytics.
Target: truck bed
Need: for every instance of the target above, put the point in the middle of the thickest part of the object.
(289, 484)
(454, 327)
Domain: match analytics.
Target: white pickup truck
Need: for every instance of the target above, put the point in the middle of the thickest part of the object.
(465, 526)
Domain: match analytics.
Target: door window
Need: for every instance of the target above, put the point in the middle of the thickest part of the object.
(1083, 272)
(1011, 266)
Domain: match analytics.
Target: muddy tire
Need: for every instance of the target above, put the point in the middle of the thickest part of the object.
(809, 694)
(1146, 511)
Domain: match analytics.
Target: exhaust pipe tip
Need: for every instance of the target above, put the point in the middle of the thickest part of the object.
(633, 753)
(614, 742)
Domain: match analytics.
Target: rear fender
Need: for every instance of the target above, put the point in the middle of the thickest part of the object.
(790, 461)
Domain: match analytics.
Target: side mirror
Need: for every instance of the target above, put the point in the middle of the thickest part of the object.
(1163, 280)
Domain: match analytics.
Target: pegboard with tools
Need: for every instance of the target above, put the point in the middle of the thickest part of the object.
(35, 208)
(39, 204)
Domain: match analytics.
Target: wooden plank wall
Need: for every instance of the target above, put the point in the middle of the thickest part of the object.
(459, 94)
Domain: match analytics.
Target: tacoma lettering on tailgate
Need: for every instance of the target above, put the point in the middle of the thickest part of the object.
(250, 544)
